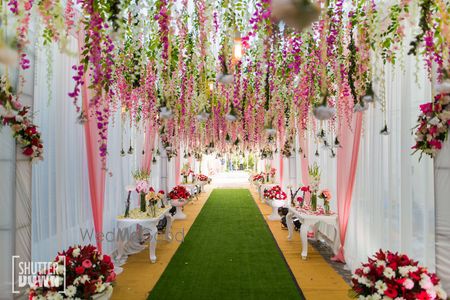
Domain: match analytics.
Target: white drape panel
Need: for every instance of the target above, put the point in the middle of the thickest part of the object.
(60, 188)
(393, 200)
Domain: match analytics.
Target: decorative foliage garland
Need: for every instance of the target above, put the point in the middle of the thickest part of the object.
(183, 65)
(17, 116)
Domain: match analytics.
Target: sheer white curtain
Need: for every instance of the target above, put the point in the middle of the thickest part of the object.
(393, 201)
(60, 186)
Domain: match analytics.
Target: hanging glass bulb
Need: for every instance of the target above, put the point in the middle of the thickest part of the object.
(122, 152)
(333, 154)
(317, 153)
(154, 160)
(237, 47)
(130, 150)
(384, 130)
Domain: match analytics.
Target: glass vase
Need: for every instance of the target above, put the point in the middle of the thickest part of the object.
(143, 204)
(313, 202)
(326, 207)
(185, 179)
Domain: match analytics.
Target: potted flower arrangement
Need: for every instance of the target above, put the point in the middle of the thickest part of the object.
(258, 179)
(89, 275)
(152, 197)
(185, 172)
(314, 178)
(326, 196)
(179, 196)
(277, 198)
(389, 275)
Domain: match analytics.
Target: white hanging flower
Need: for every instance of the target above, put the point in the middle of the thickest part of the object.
(366, 270)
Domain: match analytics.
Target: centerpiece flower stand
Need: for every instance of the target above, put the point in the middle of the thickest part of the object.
(275, 205)
(179, 203)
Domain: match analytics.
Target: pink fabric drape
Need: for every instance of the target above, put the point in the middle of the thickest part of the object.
(97, 174)
(347, 162)
(177, 168)
(281, 169)
(304, 160)
(149, 144)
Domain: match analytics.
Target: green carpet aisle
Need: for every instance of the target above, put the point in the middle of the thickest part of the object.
(229, 253)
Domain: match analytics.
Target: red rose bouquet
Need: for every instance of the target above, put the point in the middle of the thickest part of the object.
(203, 178)
(275, 193)
(179, 192)
(88, 272)
(395, 276)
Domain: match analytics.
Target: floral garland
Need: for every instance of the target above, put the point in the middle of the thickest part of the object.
(17, 116)
(433, 123)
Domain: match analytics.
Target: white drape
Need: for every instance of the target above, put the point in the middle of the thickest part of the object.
(60, 189)
(393, 198)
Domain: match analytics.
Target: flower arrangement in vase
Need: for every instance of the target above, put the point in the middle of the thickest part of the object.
(141, 189)
(88, 273)
(258, 179)
(389, 275)
(326, 196)
(314, 179)
(293, 195)
(301, 200)
(185, 172)
(152, 198)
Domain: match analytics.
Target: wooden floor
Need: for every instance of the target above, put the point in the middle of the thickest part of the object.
(315, 277)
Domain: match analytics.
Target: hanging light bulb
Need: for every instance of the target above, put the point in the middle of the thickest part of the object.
(237, 47)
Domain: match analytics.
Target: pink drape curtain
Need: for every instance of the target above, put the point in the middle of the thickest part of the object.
(149, 145)
(97, 174)
(178, 168)
(347, 162)
(304, 160)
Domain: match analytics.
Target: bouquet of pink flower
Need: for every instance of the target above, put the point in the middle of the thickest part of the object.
(395, 276)
(142, 186)
(88, 272)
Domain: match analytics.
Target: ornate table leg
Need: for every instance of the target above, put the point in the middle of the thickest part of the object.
(120, 243)
(153, 242)
(304, 237)
(290, 225)
(169, 227)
